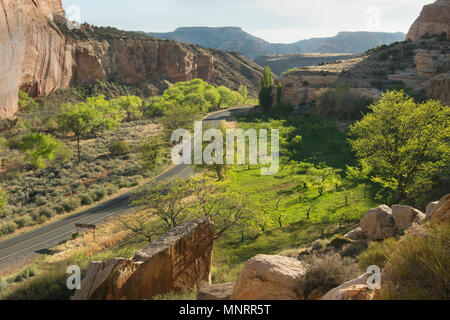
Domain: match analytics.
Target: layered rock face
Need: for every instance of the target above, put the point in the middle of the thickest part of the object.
(34, 54)
(180, 259)
(37, 58)
(434, 19)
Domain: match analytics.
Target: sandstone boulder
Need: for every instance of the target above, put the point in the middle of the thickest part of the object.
(434, 19)
(430, 208)
(180, 259)
(405, 216)
(378, 223)
(221, 291)
(355, 234)
(269, 278)
(355, 289)
(440, 212)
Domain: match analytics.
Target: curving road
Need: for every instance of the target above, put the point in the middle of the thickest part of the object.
(23, 247)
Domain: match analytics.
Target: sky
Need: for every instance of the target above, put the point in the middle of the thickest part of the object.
(279, 21)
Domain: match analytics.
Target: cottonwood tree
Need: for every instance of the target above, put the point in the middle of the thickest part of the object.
(226, 208)
(265, 92)
(243, 91)
(324, 177)
(131, 105)
(151, 152)
(39, 147)
(405, 144)
(81, 119)
(165, 201)
(179, 118)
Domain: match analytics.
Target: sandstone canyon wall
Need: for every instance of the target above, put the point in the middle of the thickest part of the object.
(34, 54)
(434, 19)
(38, 58)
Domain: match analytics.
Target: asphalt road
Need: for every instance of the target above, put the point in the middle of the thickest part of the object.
(23, 247)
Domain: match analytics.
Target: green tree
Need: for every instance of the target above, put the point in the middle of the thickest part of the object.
(131, 105)
(265, 92)
(323, 177)
(26, 103)
(279, 93)
(164, 201)
(3, 200)
(156, 107)
(80, 119)
(405, 144)
(227, 97)
(213, 97)
(151, 152)
(179, 118)
(39, 147)
(243, 91)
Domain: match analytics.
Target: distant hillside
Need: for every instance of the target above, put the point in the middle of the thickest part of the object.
(352, 42)
(282, 63)
(235, 39)
(227, 38)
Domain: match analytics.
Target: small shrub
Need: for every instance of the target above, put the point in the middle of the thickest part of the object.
(86, 199)
(59, 209)
(338, 241)
(119, 147)
(110, 189)
(47, 212)
(376, 254)
(48, 286)
(63, 154)
(8, 228)
(419, 266)
(325, 272)
(71, 204)
(41, 219)
(24, 221)
(319, 244)
(98, 194)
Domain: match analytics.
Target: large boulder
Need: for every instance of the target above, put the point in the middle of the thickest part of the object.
(180, 259)
(378, 223)
(269, 278)
(439, 211)
(434, 19)
(406, 216)
(221, 291)
(355, 289)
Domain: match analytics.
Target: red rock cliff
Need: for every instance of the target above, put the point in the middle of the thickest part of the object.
(434, 19)
(37, 58)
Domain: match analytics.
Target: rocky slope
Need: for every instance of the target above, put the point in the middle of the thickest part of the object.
(434, 19)
(235, 39)
(352, 42)
(282, 63)
(40, 54)
(420, 66)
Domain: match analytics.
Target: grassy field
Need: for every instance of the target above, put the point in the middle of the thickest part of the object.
(335, 212)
